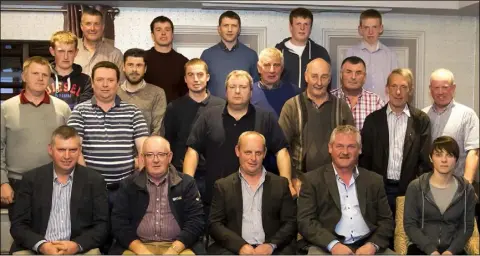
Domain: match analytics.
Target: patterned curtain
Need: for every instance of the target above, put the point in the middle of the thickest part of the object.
(71, 19)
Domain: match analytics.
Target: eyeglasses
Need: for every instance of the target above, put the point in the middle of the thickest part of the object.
(160, 155)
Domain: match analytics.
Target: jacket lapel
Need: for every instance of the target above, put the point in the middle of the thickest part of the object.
(267, 195)
(77, 190)
(409, 134)
(237, 191)
(332, 185)
(384, 135)
(361, 192)
(46, 197)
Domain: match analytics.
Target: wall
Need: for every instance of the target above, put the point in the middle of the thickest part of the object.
(449, 40)
(477, 69)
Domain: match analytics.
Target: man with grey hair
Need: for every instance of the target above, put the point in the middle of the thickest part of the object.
(451, 118)
(342, 208)
(271, 92)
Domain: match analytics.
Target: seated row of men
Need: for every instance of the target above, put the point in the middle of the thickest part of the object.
(62, 208)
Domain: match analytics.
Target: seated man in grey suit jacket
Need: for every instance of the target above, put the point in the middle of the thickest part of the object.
(61, 207)
(342, 208)
(252, 211)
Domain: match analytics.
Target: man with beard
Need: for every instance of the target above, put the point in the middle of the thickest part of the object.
(165, 64)
(229, 54)
(149, 98)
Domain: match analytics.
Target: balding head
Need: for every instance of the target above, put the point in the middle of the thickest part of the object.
(442, 87)
(156, 156)
(317, 77)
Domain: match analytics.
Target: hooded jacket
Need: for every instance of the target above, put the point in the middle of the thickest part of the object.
(74, 88)
(427, 227)
(295, 66)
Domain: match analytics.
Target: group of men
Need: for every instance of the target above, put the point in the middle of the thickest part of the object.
(149, 152)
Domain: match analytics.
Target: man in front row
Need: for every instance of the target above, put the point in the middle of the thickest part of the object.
(60, 207)
(252, 211)
(157, 210)
(342, 208)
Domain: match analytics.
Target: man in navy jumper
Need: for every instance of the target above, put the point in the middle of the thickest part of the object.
(228, 55)
(271, 92)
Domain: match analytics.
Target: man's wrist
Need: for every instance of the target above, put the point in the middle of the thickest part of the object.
(274, 246)
(376, 246)
(39, 244)
(332, 244)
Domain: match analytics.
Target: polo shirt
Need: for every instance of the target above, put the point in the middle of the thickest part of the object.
(178, 122)
(215, 135)
(108, 144)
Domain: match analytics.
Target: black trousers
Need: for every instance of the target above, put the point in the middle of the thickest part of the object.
(414, 250)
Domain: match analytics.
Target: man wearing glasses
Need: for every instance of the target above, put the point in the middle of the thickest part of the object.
(168, 217)
(361, 102)
(396, 138)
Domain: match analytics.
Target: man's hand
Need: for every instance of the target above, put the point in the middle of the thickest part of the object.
(49, 249)
(246, 249)
(6, 193)
(293, 191)
(297, 184)
(264, 249)
(340, 248)
(447, 253)
(366, 249)
(170, 251)
(435, 253)
(67, 247)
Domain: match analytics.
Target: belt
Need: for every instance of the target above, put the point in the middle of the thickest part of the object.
(113, 186)
(392, 182)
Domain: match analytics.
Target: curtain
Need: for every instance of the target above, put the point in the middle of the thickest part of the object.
(73, 14)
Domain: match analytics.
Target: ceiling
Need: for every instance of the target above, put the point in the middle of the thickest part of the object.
(458, 8)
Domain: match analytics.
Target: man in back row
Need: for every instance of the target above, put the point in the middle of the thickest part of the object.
(228, 55)
(298, 50)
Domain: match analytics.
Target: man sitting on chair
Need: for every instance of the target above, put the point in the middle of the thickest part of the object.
(61, 207)
(440, 206)
(252, 211)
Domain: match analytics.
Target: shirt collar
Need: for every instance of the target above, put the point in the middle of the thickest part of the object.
(225, 48)
(203, 102)
(140, 86)
(97, 45)
(117, 101)
(406, 110)
(343, 94)
(262, 179)
(24, 100)
(70, 176)
(250, 110)
(274, 86)
(363, 46)
(449, 106)
(162, 180)
(355, 172)
(329, 98)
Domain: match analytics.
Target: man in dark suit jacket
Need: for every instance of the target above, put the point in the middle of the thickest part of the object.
(343, 209)
(396, 138)
(61, 207)
(252, 211)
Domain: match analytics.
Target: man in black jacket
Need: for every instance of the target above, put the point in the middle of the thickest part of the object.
(252, 210)
(61, 207)
(157, 210)
(298, 50)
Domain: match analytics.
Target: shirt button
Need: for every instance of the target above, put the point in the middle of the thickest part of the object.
(156, 223)
(158, 199)
(157, 211)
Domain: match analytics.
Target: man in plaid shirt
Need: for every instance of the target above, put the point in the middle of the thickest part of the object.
(361, 102)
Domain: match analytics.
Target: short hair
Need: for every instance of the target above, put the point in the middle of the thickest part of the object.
(92, 12)
(354, 60)
(65, 37)
(447, 144)
(300, 12)
(153, 137)
(270, 53)
(247, 133)
(370, 13)
(231, 15)
(445, 73)
(65, 132)
(346, 129)
(134, 52)
(405, 73)
(36, 59)
(196, 61)
(160, 19)
(239, 73)
(106, 64)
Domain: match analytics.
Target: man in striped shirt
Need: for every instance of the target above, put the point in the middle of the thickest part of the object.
(60, 207)
(361, 102)
(110, 129)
